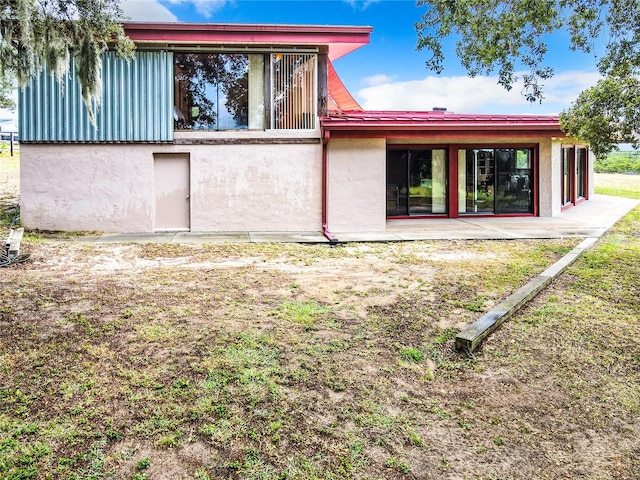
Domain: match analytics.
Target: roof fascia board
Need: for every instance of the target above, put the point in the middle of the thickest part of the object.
(345, 126)
(339, 39)
(232, 48)
(448, 134)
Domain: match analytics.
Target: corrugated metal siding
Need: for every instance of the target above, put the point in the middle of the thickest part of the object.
(137, 104)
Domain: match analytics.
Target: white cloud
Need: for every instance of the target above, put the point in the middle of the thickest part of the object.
(564, 87)
(147, 11)
(361, 4)
(469, 95)
(380, 79)
(206, 8)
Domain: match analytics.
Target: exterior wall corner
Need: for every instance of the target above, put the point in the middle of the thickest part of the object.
(550, 177)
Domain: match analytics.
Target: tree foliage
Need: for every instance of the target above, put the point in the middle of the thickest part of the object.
(511, 36)
(58, 34)
(619, 162)
(7, 86)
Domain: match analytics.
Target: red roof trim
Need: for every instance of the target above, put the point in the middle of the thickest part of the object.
(340, 39)
(492, 133)
(437, 121)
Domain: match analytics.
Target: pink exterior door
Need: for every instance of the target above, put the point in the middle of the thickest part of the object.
(172, 182)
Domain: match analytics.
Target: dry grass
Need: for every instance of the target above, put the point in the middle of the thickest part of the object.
(294, 361)
(307, 362)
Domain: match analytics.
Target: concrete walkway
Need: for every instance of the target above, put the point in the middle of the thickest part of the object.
(588, 220)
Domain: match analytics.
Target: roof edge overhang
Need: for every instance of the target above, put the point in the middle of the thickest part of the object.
(445, 134)
(416, 124)
(340, 40)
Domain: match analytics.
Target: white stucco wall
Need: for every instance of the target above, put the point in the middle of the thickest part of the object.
(550, 177)
(110, 187)
(256, 188)
(86, 187)
(357, 185)
(267, 186)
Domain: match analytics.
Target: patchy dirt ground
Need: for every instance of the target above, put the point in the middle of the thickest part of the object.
(273, 361)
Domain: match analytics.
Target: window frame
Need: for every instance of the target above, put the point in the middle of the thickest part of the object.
(452, 182)
(570, 173)
(313, 104)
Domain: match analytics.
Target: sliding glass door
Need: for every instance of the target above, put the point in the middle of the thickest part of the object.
(495, 181)
(416, 182)
(478, 171)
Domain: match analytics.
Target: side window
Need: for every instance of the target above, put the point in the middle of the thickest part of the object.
(226, 91)
(215, 91)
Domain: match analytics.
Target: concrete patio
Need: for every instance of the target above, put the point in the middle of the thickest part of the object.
(590, 219)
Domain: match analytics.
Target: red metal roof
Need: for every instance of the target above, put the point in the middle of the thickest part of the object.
(427, 121)
(339, 40)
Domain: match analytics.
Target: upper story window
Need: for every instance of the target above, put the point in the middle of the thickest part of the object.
(228, 91)
(212, 91)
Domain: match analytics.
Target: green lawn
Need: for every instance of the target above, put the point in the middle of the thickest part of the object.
(618, 185)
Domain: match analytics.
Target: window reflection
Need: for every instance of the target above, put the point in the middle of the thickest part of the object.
(211, 91)
(496, 180)
(416, 182)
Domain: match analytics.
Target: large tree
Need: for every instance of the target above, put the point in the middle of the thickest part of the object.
(511, 36)
(57, 34)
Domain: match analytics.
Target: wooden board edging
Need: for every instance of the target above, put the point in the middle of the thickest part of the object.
(471, 337)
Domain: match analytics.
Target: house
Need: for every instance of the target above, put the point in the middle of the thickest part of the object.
(219, 127)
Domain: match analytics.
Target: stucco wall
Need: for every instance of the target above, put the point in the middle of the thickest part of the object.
(356, 185)
(86, 187)
(256, 187)
(549, 177)
(272, 187)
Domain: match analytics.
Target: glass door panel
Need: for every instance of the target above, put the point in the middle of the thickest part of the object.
(513, 181)
(567, 184)
(439, 181)
(427, 182)
(397, 183)
(479, 181)
(581, 169)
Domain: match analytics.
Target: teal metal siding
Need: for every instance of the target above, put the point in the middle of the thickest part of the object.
(137, 104)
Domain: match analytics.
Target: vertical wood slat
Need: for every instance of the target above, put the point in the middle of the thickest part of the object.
(293, 92)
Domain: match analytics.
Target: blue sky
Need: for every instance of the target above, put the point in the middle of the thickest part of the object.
(388, 74)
